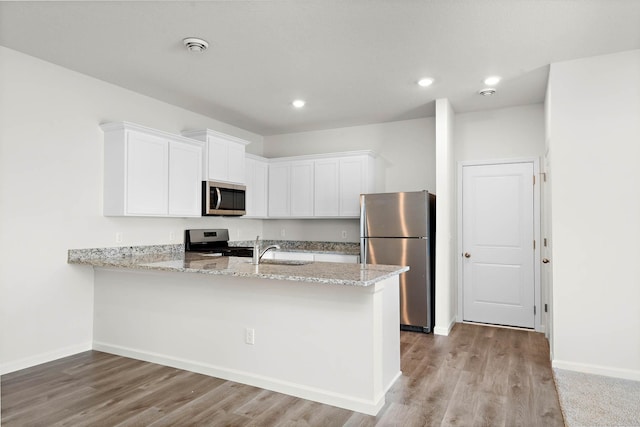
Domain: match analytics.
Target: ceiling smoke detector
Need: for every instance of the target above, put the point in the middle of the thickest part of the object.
(195, 44)
(488, 91)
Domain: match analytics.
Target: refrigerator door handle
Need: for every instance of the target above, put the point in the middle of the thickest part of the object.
(363, 216)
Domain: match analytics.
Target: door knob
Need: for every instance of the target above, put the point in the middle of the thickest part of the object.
(545, 260)
(467, 255)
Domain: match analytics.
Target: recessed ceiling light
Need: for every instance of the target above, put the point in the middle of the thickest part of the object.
(195, 44)
(424, 82)
(488, 91)
(298, 103)
(492, 81)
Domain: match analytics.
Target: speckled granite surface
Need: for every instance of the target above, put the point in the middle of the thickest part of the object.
(341, 248)
(172, 258)
(77, 256)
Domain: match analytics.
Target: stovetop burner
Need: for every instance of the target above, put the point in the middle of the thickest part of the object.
(213, 241)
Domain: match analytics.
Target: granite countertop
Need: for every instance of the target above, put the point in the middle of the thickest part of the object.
(171, 258)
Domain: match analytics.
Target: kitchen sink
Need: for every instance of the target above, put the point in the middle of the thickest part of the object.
(284, 262)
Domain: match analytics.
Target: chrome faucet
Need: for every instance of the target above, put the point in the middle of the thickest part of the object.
(257, 254)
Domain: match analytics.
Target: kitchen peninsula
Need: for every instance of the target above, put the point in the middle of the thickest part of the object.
(327, 332)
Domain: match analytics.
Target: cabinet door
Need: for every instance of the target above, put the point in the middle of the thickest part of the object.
(184, 179)
(261, 188)
(349, 259)
(249, 169)
(236, 163)
(301, 188)
(256, 177)
(146, 180)
(217, 159)
(293, 256)
(352, 184)
(279, 190)
(326, 185)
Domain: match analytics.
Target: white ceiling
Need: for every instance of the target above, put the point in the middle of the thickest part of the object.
(353, 61)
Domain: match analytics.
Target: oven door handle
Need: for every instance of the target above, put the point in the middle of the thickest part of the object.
(219, 198)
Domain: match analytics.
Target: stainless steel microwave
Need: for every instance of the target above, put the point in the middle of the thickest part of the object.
(219, 198)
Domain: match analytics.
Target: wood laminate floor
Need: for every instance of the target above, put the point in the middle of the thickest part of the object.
(477, 376)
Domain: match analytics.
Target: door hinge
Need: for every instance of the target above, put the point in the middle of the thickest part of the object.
(534, 245)
(534, 310)
(546, 309)
(544, 242)
(534, 180)
(544, 176)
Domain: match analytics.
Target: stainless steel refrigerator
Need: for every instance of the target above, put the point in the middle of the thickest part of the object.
(399, 229)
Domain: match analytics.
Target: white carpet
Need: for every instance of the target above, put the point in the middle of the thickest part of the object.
(594, 400)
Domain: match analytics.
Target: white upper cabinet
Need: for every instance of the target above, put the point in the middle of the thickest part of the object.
(224, 157)
(150, 173)
(279, 190)
(301, 188)
(257, 180)
(320, 186)
(339, 181)
(356, 177)
(291, 188)
(327, 186)
(185, 191)
(236, 162)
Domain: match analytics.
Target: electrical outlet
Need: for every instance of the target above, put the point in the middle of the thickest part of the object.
(249, 335)
(344, 234)
(119, 237)
(172, 236)
(282, 233)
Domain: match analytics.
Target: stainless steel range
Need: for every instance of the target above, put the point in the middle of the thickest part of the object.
(213, 241)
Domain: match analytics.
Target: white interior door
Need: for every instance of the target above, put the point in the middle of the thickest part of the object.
(498, 244)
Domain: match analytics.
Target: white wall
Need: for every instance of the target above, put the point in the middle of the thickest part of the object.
(405, 162)
(594, 139)
(51, 200)
(446, 283)
(406, 149)
(505, 133)
(501, 134)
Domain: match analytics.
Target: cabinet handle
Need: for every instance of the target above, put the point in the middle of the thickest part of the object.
(467, 255)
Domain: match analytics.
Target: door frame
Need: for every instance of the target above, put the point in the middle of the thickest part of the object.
(535, 161)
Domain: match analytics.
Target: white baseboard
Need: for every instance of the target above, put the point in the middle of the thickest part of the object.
(27, 362)
(627, 374)
(369, 407)
(444, 330)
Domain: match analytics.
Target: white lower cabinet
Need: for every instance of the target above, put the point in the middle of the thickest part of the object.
(349, 259)
(311, 256)
(150, 173)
